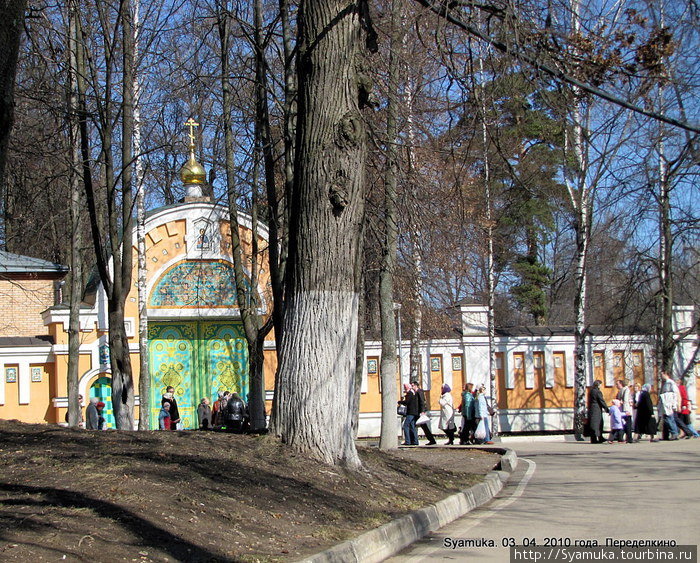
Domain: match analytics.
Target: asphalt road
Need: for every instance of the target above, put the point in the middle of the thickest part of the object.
(567, 491)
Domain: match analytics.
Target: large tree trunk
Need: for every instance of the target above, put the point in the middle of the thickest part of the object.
(317, 354)
(122, 376)
(11, 26)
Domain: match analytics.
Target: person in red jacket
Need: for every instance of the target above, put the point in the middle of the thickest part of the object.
(683, 416)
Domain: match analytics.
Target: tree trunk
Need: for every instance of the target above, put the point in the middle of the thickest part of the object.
(490, 282)
(416, 248)
(73, 374)
(665, 337)
(246, 295)
(318, 350)
(280, 228)
(389, 437)
(582, 239)
(359, 356)
(11, 26)
(144, 371)
(581, 202)
(122, 376)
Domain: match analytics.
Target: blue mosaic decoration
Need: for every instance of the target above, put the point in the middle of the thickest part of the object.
(226, 358)
(171, 351)
(206, 284)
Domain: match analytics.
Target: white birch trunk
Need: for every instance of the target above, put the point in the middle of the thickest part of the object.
(142, 275)
(415, 372)
(581, 200)
(489, 251)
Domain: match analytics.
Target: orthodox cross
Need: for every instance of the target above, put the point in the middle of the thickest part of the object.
(191, 123)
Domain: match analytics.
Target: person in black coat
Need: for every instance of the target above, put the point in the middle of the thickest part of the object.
(646, 422)
(412, 402)
(236, 414)
(423, 408)
(596, 406)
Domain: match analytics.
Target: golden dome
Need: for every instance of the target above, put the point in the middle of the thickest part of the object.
(192, 172)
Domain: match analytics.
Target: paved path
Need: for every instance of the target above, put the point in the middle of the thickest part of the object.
(581, 491)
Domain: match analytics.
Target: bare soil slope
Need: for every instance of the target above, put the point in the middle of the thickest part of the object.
(73, 495)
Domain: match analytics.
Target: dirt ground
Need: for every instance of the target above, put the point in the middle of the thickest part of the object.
(74, 495)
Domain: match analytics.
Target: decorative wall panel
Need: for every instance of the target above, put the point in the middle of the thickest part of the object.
(196, 284)
(197, 359)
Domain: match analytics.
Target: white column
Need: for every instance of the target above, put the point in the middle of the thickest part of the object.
(507, 362)
(447, 369)
(608, 359)
(529, 370)
(24, 380)
(363, 384)
(548, 368)
(569, 362)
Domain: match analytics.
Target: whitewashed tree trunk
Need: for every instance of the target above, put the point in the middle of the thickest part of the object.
(318, 350)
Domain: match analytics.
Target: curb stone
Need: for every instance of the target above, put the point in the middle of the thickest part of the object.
(390, 538)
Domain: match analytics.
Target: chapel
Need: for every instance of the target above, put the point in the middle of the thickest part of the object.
(196, 342)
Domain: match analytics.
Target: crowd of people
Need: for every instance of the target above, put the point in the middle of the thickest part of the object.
(475, 410)
(632, 412)
(229, 412)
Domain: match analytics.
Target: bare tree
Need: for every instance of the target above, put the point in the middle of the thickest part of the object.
(113, 244)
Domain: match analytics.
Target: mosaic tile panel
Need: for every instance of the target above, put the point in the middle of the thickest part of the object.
(195, 284)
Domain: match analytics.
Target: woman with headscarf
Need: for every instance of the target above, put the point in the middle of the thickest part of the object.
(646, 422)
(447, 415)
(596, 406)
(482, 434)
